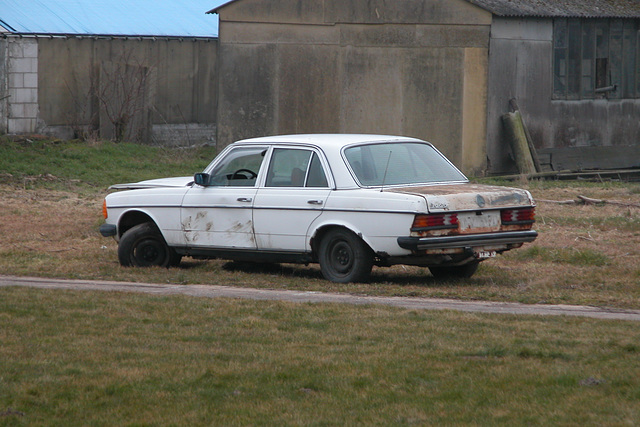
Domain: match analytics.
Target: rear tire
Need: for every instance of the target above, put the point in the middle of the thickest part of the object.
(144, 246)
(455, 272)
(344, 257)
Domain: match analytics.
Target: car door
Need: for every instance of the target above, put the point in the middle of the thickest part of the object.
(218, 214)
(294, 193)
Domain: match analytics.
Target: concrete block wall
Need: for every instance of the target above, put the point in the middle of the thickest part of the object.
(22, 85)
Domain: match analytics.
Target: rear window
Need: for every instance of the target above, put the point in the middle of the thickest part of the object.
(400, 163)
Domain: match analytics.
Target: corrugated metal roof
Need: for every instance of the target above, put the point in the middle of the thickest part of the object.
(562, 8)
(163, 18)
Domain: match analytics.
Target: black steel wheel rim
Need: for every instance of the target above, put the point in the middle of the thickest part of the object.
(149, 252)
(341, 257)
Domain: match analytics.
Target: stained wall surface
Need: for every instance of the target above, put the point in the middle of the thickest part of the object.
(165, 89)
(404, 67)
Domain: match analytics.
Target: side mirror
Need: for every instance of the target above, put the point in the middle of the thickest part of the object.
(202, 179)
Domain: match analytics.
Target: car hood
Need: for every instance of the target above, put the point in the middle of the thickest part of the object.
(465, 197)
(183, 181)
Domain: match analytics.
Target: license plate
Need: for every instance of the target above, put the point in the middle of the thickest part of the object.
(486, 254)
(488, 220)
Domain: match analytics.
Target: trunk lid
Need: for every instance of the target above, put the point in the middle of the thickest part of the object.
(468, 197)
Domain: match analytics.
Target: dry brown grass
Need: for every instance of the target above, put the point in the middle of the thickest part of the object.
(584, 254)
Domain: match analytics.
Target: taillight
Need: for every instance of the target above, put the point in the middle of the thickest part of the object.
(518, 216)
(434, 222)
(104, 209)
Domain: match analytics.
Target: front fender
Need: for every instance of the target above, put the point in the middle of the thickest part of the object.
(162, 206)
(166, 219)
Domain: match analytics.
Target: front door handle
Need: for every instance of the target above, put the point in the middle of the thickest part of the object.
(314, 202)
(244, 199)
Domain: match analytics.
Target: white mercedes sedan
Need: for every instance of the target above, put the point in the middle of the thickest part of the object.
(347, 202)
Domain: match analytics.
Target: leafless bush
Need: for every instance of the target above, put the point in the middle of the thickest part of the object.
(116, 102)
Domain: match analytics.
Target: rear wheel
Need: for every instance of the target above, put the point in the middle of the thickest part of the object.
(344, 257)
(455, 272)
(144, 246)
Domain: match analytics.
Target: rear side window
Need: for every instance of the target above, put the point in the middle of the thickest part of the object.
(401, 163)
(295, 168)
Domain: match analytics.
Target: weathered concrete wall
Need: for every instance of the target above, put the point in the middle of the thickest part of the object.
(520, 67)
(167, 88)
(405, 67)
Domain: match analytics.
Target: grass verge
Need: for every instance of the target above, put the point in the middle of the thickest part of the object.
(84, 358)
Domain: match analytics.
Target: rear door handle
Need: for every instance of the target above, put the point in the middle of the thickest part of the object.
(314, 202)
(244, 199)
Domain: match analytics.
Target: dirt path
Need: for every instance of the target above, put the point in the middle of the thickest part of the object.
(211, 291)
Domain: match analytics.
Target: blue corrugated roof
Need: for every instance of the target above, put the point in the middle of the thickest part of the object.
(179, 18)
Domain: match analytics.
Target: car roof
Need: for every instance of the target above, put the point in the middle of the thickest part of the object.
(328, 139)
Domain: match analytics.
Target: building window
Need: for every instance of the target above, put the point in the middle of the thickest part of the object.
(596, 58)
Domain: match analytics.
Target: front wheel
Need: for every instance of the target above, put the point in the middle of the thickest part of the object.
(144, 246)
(344, 257)
(456, 272)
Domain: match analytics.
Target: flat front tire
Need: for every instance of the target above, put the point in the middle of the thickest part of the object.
(344, 257)
(144, 246)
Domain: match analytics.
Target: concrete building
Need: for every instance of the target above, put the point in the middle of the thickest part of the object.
(441, 70)
(142, 71)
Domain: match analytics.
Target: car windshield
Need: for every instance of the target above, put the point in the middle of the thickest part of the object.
(400, 163)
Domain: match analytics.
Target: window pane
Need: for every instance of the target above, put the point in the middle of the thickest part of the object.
(239, 167)
(288, 168)
(629, 59)
(615, 57)
(560, 33)
(588, 56)
(602, 54)
(400, 163)
(575, 59)
(316, 176)
(560, 58)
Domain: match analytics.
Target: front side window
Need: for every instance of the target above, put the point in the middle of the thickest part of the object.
(595, 58)
(404, 163)
(239, 167)
(295, 168)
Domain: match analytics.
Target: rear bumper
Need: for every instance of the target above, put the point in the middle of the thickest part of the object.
(465, 241)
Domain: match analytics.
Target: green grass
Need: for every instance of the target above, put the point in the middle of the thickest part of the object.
(99, 165)
(84, 358)
(580, 257)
